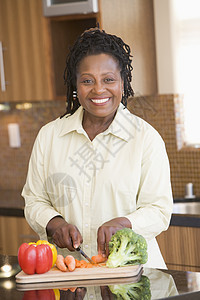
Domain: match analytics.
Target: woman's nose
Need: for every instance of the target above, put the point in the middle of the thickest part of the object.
(98, 87)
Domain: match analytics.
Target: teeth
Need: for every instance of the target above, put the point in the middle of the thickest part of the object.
(100, 100)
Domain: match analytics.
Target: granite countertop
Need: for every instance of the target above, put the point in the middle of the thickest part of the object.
(11, 203)
(186, 212)
(164, 284)
(187, 208)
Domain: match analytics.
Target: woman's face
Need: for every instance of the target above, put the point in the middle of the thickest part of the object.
(99, 85)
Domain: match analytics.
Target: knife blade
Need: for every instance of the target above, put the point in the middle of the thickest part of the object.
(84, 254)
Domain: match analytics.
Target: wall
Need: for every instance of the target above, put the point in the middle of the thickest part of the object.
(160, 111)
(30, 117)
(164, 112)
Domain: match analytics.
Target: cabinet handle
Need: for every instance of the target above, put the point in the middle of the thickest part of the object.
(2, 74)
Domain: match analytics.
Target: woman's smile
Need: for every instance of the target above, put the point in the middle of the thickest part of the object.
(100, 101)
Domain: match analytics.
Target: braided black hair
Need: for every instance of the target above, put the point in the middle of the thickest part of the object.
(91, 42)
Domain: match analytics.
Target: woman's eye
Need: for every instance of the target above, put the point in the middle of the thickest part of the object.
(109, 80)
(87, 81)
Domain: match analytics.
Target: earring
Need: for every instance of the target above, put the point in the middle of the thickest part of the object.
(74, 95)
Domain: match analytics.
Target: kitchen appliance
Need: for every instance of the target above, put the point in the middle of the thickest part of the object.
(189, 191)
(69, 7)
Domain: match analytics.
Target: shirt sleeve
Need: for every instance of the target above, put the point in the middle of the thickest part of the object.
(154, 199)
(38, 208)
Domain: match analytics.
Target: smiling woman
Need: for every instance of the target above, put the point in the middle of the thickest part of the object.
(116, 161)
(97, 42)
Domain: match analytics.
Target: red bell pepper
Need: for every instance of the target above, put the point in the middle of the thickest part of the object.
(35, 258)
(39, 295)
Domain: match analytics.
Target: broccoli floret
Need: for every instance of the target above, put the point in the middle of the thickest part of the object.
(139, 290)
(127, 248)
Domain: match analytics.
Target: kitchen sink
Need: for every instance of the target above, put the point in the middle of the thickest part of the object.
(191, 208)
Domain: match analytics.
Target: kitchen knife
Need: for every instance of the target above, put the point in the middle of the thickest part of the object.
(84, 254)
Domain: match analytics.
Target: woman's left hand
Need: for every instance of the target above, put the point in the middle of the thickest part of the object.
(106, 231)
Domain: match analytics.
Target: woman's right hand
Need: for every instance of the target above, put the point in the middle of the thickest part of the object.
(64, 235)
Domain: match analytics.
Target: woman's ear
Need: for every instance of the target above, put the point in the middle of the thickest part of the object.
(122, 87)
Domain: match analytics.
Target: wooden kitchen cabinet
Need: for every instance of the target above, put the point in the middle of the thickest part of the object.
(13, 232)
(35, 47)
(23, 34)
(132, 20)
(63, 31)
(180, 248)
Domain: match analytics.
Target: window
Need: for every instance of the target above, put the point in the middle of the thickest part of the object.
(187, 13)
(182, 24)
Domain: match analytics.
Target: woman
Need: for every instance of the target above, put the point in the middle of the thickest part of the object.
(98, 168)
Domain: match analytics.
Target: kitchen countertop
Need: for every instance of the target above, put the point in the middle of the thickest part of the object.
(11, 203)
(163, 284)
(186, 213)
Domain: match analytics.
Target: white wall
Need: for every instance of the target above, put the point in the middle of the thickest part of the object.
(165, 46)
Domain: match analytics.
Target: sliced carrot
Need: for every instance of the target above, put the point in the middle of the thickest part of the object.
(70, 262)
(60, 263)
(89, 265)
(78, 263)
(72, 289)
(98, 258)
(84, 264)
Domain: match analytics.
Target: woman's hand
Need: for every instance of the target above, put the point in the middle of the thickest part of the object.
(70, 294)
(106, 231)
(106, 293)
(64, 235)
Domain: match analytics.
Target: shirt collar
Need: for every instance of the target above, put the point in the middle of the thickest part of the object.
(72, 122)
(120, 127)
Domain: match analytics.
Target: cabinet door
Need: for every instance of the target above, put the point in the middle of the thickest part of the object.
(180, 248)
(13, 232)
(133, 21)
(22, 33)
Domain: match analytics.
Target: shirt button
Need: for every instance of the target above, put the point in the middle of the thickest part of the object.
(91, 296)
(86, 225)
(86, 246)
(86, 203)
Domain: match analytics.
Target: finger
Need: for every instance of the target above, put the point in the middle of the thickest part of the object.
(108, 235)
(75, 237)
(101, 239)
(57, 239)
(69, 236)
(63, 239)
(68, 295)
(106, 293)
(80, 293)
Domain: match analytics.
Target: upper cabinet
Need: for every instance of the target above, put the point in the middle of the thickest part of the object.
(35, 46)
(22, 34)
(63, 31)
(133, 21)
